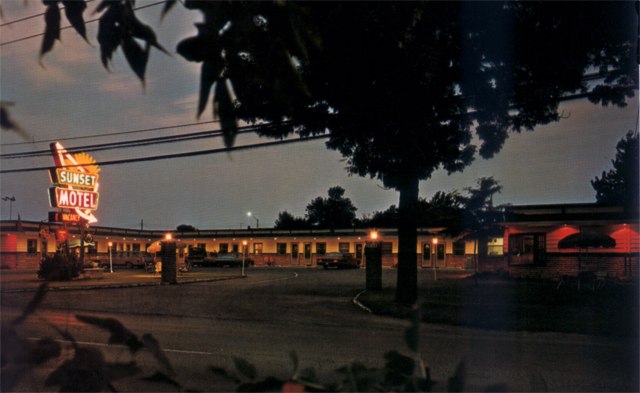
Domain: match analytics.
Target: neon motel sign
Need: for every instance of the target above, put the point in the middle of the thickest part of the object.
(75, 181)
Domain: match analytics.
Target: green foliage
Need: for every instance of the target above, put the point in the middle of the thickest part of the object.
(59, 267)
(333, 212)
(86, 370)
(619, 186)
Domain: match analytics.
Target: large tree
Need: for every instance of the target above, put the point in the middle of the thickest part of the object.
(619, 185)
(399, 86)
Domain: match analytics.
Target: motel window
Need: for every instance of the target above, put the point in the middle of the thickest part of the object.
(344, 247)
(281, 248)
(527, 249)
(386, 248)
(459, 247)
(224, 248)
(136, 248)
(257, 248)
(93, 249)
(495, 247)
(321, 248)
(202, 246)
(32, 246)
(236, 248)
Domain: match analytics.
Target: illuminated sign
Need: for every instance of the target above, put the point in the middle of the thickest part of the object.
(64, 217)
(66, 198)
(75, 181)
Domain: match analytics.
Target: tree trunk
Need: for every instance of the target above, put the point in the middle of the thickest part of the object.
(407, 283)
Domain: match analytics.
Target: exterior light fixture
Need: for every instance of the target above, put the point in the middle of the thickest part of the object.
(434, 240)
(373, 235)
(249, 214)
(168, 236)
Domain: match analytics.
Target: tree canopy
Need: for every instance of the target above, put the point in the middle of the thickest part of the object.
(619, 185)
(399, 86)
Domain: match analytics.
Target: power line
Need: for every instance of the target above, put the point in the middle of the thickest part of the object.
(68, 27)
(111, 133)
(30, 17)
(134, 143)
(177, 155)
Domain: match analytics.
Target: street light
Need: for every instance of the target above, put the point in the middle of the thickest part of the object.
(244, 253)
(435, 244)
(249, 214)
(110, 258)
(11, 199)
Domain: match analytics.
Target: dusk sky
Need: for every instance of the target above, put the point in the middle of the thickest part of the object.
(72, 95)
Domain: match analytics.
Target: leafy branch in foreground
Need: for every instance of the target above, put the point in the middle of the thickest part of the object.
(81, 368)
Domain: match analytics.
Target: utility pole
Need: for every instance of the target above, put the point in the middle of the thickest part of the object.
(142, 224)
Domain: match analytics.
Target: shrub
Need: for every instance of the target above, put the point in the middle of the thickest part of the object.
(59, 267)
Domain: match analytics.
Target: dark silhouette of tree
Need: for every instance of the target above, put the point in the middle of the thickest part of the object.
(333, 212)
(400, 86)
(478, 203)
(287, 220)
(619, 186)
(186, 228)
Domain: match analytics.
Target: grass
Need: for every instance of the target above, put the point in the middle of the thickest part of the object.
(519, 305)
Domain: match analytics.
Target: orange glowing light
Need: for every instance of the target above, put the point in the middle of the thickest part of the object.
(373, 235)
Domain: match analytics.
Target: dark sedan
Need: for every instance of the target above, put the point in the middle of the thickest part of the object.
(231, 260)
(338, 260)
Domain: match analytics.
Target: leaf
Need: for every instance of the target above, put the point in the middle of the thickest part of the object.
(139, 30)
(162, 378)
(44, 349)
(269, 384)
(399, 367)
(84, 373)
(245, 368)
(52, 28)
(208, 75)
(109, 34)
(33, 304)
(456, 382)
(119, 333)
(122, 370)
(136, 56)
(223, 110)
(168, 5)
(74, 9)
(152, 345)
(224, 373)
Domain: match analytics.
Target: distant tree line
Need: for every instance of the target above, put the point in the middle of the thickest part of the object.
(452, 210)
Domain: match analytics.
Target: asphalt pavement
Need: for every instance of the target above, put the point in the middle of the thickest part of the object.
(27, 280)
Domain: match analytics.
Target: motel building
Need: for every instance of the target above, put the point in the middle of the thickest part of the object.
(539, 241)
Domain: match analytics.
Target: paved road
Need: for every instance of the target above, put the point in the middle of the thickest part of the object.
(274, 311)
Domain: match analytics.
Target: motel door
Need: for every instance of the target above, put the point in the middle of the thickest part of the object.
(295, 254)
(440, 262)
(307, 253)
(427, 260)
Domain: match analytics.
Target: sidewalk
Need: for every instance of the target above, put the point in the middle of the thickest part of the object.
(27, 280)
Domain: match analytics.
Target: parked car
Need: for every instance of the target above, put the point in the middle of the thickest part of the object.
(338, 260)
(130, 260)
(195, 255)
(230, 259)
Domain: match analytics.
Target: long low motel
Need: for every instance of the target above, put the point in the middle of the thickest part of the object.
(539, 241)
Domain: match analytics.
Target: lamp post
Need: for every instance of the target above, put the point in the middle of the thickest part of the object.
(110, 258)
(244, 253)
(249, 214)
(11, 199)
(435, 246)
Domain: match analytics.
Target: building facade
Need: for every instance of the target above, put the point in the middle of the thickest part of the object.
(546, 242)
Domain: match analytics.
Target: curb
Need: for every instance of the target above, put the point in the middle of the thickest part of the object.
(118, 286)
(359, 304)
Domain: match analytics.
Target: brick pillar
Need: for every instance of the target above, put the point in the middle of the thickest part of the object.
(373, 257)
(168, 253)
